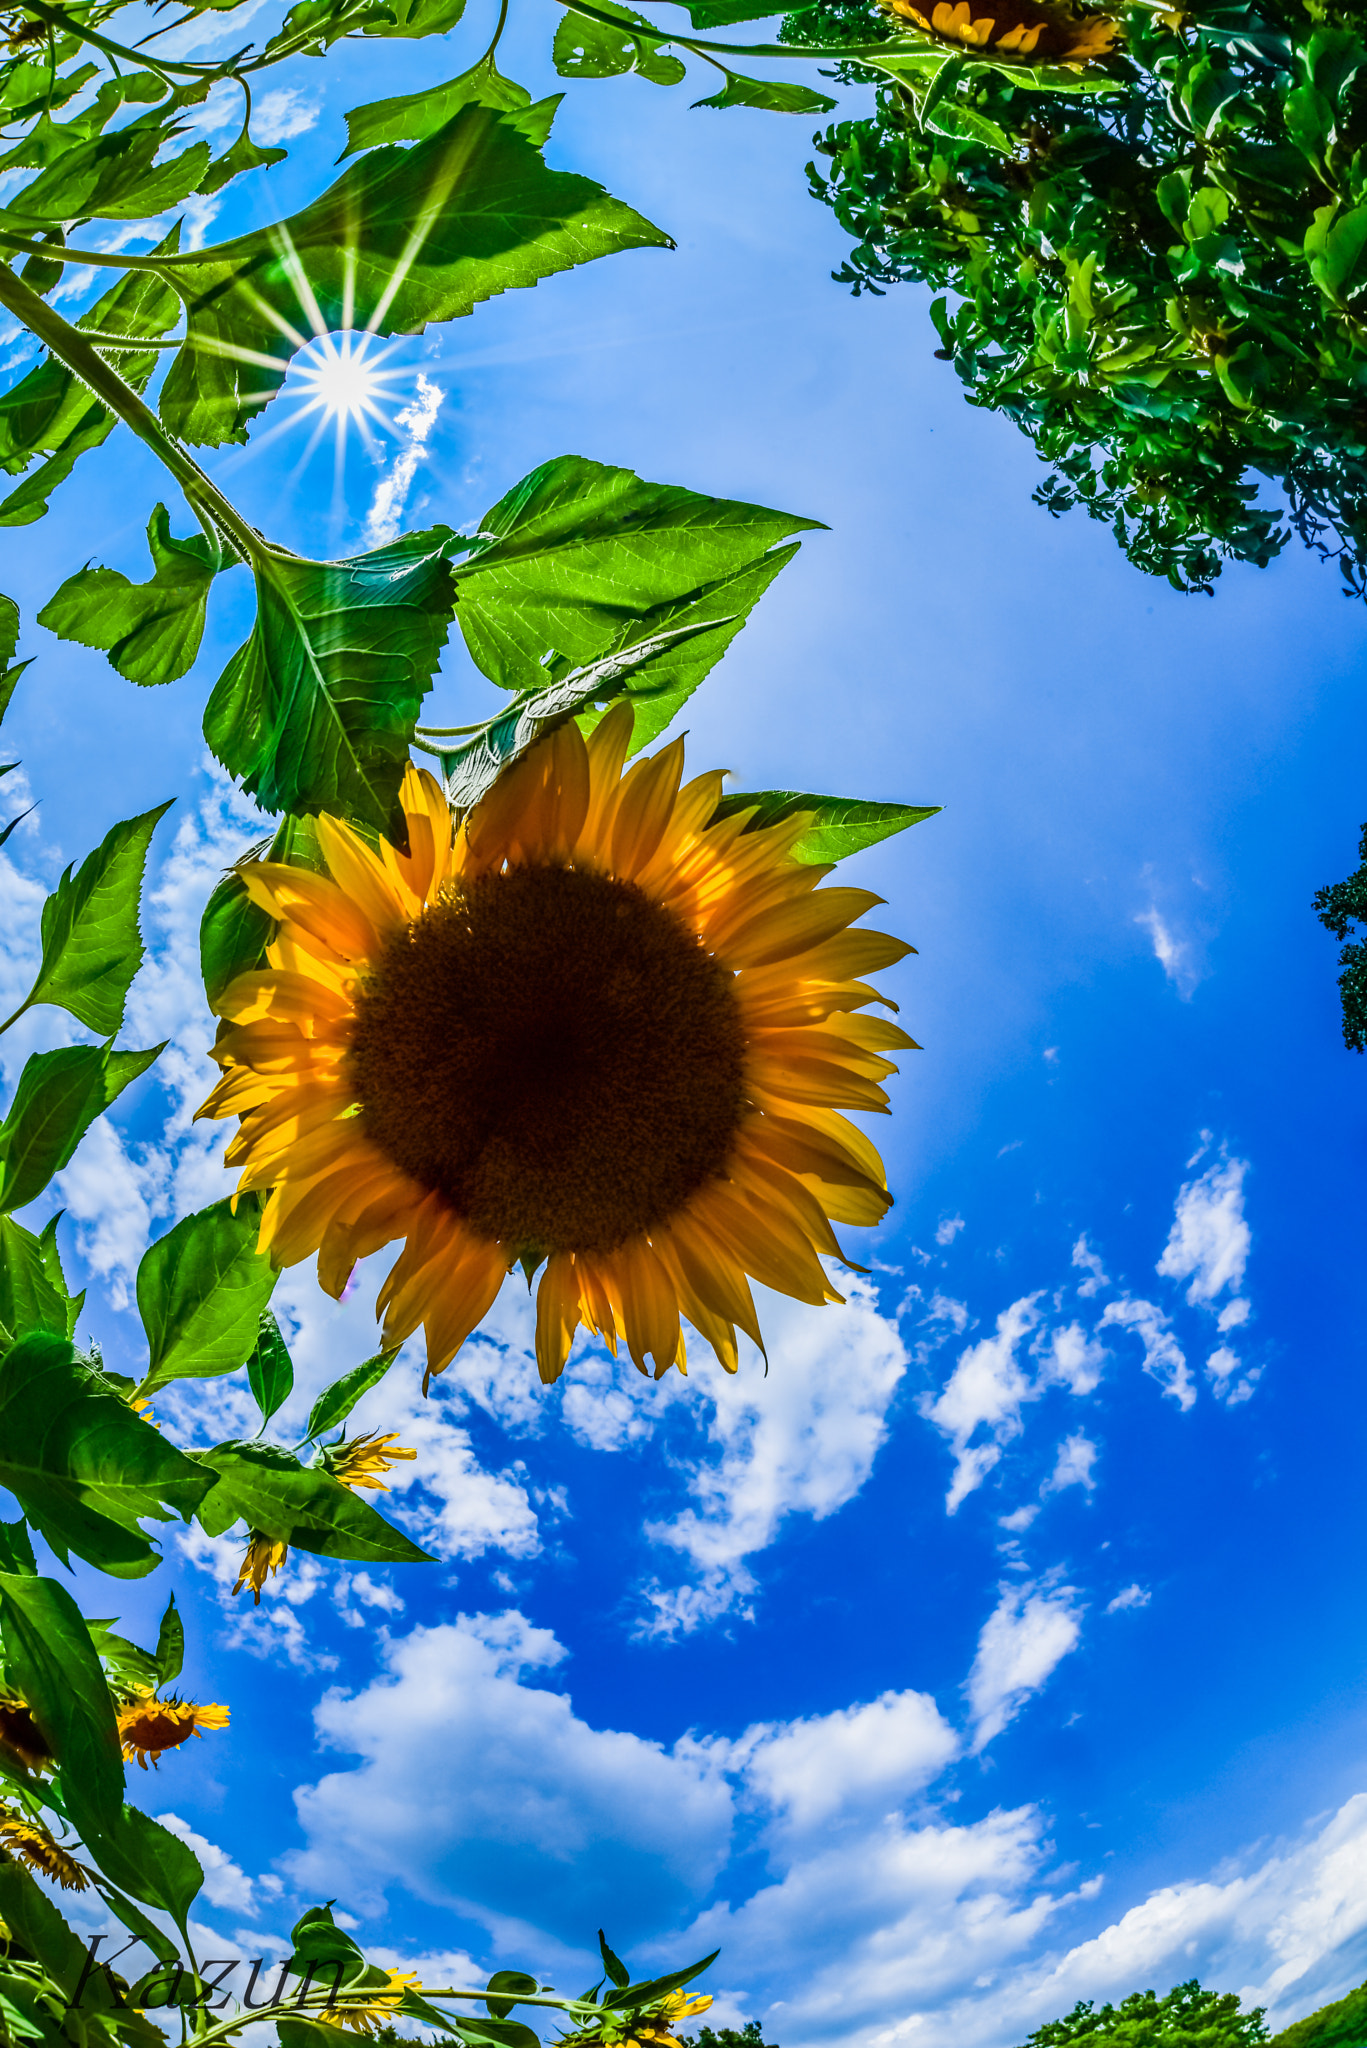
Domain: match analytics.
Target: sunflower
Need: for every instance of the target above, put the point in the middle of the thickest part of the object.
(375, 2007)
(365, 1458)
(32, 1844)
(262, 1556)
(655, 2029)
(20, 1735)
(147, 1725)
(1017, 28)
(597, 1029)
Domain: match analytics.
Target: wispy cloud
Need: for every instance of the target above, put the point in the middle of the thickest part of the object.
(1030, 1630)
(1176, 956)
(391, 493)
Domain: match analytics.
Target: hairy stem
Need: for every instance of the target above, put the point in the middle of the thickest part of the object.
(75, 349)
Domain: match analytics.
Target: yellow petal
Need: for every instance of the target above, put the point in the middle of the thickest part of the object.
(645, 803)
(460, 1300)
(361, 874)
(797, 927)
(314, 903)
(557, 1315)
(606, 747)
(649, 1306)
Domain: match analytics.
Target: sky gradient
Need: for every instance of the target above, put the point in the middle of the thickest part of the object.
(1003, 1645)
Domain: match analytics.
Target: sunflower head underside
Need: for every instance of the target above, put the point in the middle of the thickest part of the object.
(592, 1031)
(1016, 28)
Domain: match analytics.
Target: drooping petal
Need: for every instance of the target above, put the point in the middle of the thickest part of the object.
(557, 1315)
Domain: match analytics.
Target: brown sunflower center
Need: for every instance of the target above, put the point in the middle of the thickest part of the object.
(555, 1053)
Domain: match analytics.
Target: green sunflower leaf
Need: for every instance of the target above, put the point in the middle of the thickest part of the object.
(32, 1296)
(233, 932)
(270, 1369)
(92, 946)
(770, 95)
(581, 560)
(169, 1654)
(317, 710)
(402, 238)
(137, 1922)
(472, 768)
(150, 631)
(510, 1983)
(336, 1402)
(140, 1856)
(304, 1506)
(413, 116)
(585, 47)
(52, 1268)
(54, 1665)
(612, 1963)
(16, 1549)
(634, 1995)
(83, 1466)
(33, 1920)
(841, 825)
(58, 1098)
(113, 177)
(9, 631)
(245, 155)
(201, 1291)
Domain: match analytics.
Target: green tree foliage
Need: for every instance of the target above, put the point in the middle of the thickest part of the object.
(751, 2035)
(1340, 2025)
(1162, 283)
(1187, 2017)
(1341, 906)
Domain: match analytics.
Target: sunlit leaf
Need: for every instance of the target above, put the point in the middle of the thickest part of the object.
(840, 825)
(83, 1466)
(52, 1268)
(336, 1402)
(169, 1654)
(270, 1369)
(304, 1506)
(92, 945)
(113, 177)
(233, 932)
(201, 1290)
(403, 237)
(474, 764)
(656, 1987)
(316, 711)
(142, 1857)
(58, 1097)
(612, 1963)
(9, 632)
(150, 631)
(30, 1297)
(53, 1661)
(580, 560)
(35, 1922)
(771, 95)
(586, 47)
(244, 155)
(415, 115)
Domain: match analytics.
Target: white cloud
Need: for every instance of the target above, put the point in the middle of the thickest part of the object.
(1209, 1240)
(949, 1229)
(801, 1441)
(391, 493)
(280, 115)
(1174, 955)
(1164, 1357)
(1130, 1596)
(987, 1389)
(1030, 1630)
(225, 1883)
(1073, 1358)
(478, 1789)
(445, 1497)
(1073, 1466)
(811, 1773)
(1222, 1370)
(1088, 1261)
(1233, 1315)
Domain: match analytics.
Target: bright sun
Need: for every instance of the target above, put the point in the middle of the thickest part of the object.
(345, 383)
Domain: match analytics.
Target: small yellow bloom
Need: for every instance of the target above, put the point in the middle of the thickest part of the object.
(374, 2007)
(654, 2030)
(1049, 33)
(21, 1736)
(148, 1726)
(361, 1462)
(263, 1556)
(32, 1844)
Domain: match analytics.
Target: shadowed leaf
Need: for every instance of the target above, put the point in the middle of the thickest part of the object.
(304, 1506)
(840, 825)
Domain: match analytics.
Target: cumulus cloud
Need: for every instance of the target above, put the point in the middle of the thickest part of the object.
(809, 1773)
(949, 1229)
(986, 1390)
(479, 1790)
(225, 1883)
(1074, 1359)
(1073, 1466)
(1030, 1630)
(1209, 1240)
(801, 1441)
(1130, 1596)
(1164, 1358)
(1089, 1262)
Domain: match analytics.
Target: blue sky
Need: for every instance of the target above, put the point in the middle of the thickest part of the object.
(713, 1661)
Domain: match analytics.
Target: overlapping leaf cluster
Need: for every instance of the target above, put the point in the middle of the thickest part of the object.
(1163, 284)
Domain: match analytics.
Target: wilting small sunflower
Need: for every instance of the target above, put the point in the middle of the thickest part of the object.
(362, 1461)
(595, 1029)
(21, 1736)
(655, 2029)
(32, 1844)
(149, 1726)
(1017, 28)
(373, 2008)
(262, 1556)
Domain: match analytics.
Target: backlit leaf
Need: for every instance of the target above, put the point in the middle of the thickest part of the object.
(270, 1370)
(30, 1297)
(403, 237)
(150, 631)
(201, 1290)
(415, 115)
(771, 95)
(580, 559)
(54, 1665)
(58, 1097)
(113, 177)
(316, 711)
(233, 932)
(170, 1651)
(585, 47)
(142, 1857)
(840, 825)
(9, 631)
(84, 1467)
(336, 1402)
(92, 946)
(304, 1506)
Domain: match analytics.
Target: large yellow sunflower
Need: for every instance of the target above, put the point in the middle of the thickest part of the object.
(592, 1028)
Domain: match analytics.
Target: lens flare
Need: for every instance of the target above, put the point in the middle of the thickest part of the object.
(345, 383)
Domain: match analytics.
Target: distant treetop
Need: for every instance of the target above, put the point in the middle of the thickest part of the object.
(1188, 2017)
